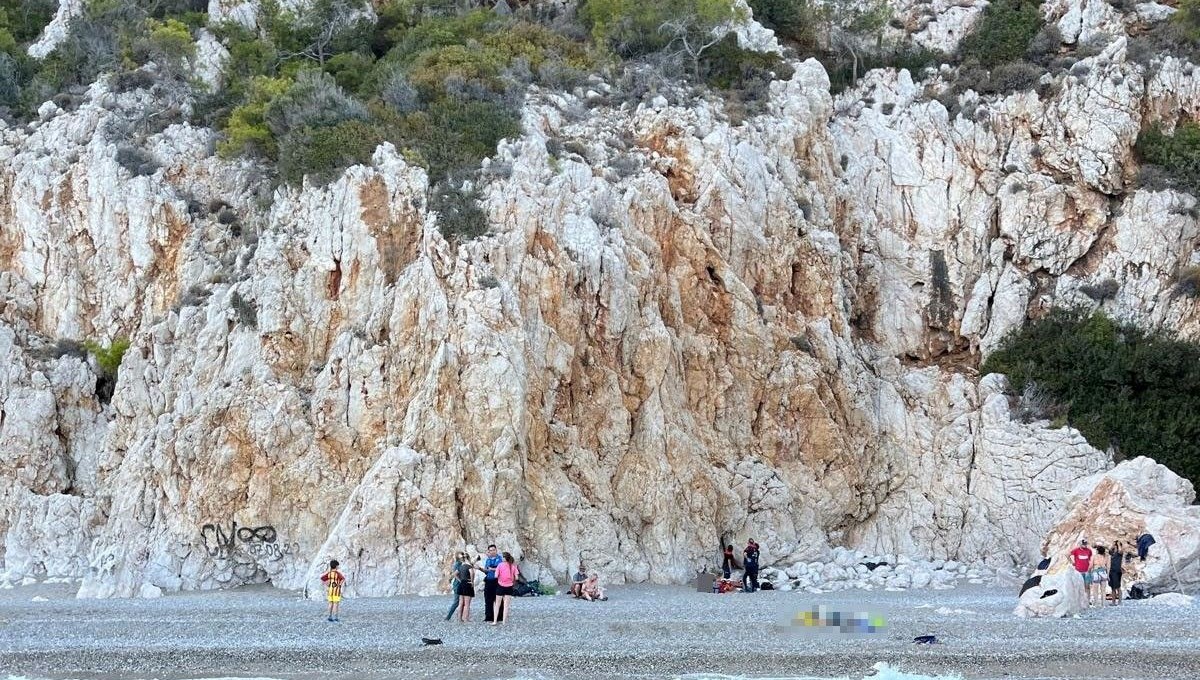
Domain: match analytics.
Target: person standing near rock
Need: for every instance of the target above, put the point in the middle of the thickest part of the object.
(507, 574)
(466, 588)
(750, 564)
(1116, 567)
(1098, 578)
(333, 580)
(489, 583)
(728, 564)
(1081, 559)
(459, 558)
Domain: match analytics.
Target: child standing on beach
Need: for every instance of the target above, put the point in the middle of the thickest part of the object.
(333, 580)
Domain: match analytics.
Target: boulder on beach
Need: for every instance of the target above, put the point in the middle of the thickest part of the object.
(1136, 497)
(1172, 600)
(1058, 593)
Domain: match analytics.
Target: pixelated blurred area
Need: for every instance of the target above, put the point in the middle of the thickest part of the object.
(821, 619)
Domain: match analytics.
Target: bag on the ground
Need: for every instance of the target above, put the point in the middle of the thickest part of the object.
(1138, 592)
(766, 585)
(527, 589)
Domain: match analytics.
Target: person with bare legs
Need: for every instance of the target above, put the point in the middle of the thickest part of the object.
(333, 580)
(466, 588)
(1098, 578)
(1116, 567)
(506, 578)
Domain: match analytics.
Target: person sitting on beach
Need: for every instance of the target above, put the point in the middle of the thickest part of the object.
(592, 590)
(333, 580)
(578, 580)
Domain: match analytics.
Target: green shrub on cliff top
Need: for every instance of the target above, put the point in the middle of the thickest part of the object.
(1138, 392)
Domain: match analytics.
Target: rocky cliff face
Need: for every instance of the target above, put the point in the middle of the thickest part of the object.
(683, 331)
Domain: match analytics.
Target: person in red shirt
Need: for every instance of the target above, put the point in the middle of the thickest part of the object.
(1081, 557)
(333, 580)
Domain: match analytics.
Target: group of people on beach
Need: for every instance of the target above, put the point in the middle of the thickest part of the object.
(1099, 568)
(500, 575)
(749, 565)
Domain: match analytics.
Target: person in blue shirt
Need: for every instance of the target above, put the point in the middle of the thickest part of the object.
(490, 585)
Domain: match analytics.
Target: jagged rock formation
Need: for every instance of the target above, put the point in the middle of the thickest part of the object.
(1134, 498)
(689, 330)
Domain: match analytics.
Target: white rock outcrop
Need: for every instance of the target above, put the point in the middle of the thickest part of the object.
(1136, 497)
(691, 329)
(1061, 593)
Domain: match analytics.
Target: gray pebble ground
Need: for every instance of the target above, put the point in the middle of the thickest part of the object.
(647, 632)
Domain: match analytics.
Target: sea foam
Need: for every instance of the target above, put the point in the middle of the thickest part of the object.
(882, 672)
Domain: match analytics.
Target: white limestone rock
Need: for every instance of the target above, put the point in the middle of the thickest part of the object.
(1136, 497)
(1061, 593)
(768, 327)
(1172, 600)
(56, 31)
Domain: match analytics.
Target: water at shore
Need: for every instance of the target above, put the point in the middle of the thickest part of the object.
(642, 632)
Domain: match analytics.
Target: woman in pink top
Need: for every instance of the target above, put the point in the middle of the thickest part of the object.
(506, 578)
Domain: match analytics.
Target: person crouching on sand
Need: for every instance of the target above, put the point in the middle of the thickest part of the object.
(333, 580)
(506, 577)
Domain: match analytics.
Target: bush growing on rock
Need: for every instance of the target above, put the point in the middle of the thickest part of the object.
(313, 100)
(108, 359)
(458, 211)
(792, 20)
(1135, 391)
(1178, 154)
(247, 313)
(247, 131)
(323, 152)
(632, 28)
(24, 20)
(1104, 290)
(1005, 33)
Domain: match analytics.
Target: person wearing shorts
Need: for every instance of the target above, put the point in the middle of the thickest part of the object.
(333, 581)
(506, 579)
(1081, 559)
(466, 589)
(1098, 578)
(1116, 569)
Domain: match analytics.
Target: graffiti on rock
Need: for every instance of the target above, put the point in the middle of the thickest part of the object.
(245, 551)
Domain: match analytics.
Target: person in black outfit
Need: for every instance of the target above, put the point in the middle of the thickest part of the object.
(750, 562)
(728, 564)
(1115, 566)
(490, 586)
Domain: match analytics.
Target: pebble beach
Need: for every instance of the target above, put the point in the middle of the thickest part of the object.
(641, 632)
